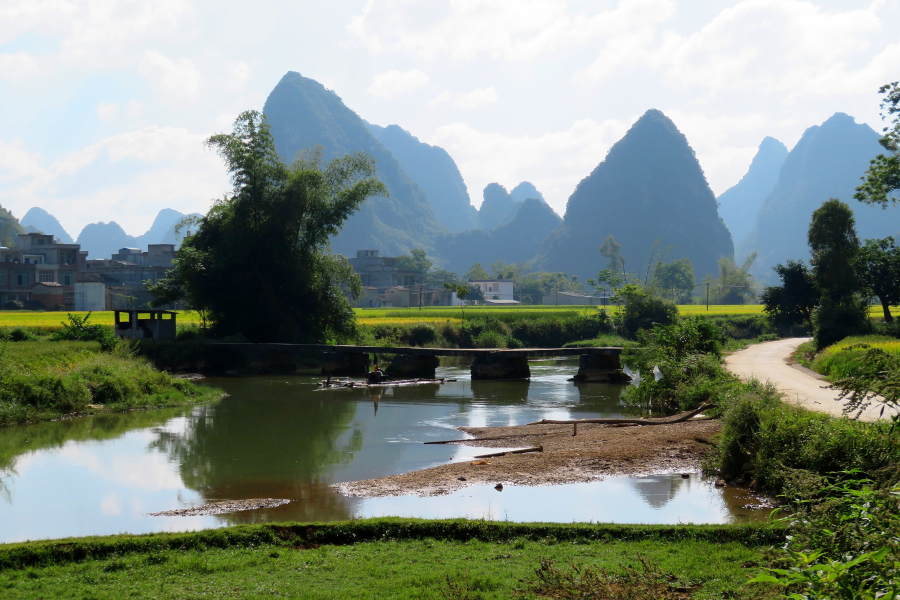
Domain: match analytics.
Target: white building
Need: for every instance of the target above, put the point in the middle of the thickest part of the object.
(495, 289)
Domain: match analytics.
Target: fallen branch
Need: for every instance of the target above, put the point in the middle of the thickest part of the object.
(523, 451)
(680, 419)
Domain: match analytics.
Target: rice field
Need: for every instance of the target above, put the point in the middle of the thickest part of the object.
(53, 320)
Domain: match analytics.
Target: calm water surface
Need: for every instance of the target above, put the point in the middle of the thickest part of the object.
(277, 437)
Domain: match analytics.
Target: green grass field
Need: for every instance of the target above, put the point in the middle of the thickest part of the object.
(406, 559)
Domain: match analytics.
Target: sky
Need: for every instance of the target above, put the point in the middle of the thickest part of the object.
(105, 104)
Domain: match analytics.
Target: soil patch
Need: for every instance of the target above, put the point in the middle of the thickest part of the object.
(597, 451)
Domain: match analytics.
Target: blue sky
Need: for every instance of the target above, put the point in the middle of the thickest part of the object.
(106, 103)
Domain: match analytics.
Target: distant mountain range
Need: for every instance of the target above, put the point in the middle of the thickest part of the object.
(649, 189)
(102, 240)
(739, 205)
(827, 162)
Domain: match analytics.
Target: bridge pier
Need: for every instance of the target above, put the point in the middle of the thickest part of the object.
(600, 368)
(406, 366)
(500, 366)
(340, 364)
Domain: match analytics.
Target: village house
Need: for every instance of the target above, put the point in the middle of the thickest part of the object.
(384, 285)
(124, 274)
(495, 289)
(40, 272)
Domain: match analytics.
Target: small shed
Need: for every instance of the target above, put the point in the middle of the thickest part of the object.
(145, 324)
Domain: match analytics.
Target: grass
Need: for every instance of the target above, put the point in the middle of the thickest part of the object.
(385, 558)
(842, 359)
(44, 380)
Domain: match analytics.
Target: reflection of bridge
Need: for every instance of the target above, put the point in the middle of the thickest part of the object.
(595, 364)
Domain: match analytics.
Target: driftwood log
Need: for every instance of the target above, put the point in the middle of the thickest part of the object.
(498, 437)
(522, 451)
(680, 419)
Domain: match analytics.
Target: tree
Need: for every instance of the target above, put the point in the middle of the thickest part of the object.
(878, 267)
(842, 310)
(882, 179)
(416, 261)
(476, 271)
(735, 284)
(475, 293)
(258, 262)
(440, 277)
(834, 245)
(461, 291)
(611, 250)
(675, 279)
(793, 302)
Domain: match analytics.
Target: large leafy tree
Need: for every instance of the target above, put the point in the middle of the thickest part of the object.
(881, 182)
(416, 261)
(834, 245)
(259, 262)
(792, 302)
(878, 267)
(674, 280)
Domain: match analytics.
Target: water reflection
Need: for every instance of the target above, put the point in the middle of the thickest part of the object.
(279, 437)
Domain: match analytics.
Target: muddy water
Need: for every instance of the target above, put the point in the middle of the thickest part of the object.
(278, 437)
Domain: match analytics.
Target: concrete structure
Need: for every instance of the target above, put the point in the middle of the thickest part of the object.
(145, 324)
(90, 292)
(38, 259)
(501, 302)
(573, 299)
(394, 287)
(126, 273)
(495, 289)
(381, 271)
(157, 255)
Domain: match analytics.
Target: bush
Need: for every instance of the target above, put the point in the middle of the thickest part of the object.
(641, 311)
(79, 330)
(14, 305)
(832, 323)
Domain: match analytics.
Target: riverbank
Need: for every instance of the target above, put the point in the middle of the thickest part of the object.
(48, 380)
(398, 558)
(596, 451)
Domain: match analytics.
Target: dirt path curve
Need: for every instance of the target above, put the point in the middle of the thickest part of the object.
(769, 362)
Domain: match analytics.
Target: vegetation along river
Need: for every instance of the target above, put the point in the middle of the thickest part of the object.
(277, 437)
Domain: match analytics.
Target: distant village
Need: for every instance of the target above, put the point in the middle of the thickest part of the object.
(41, 273)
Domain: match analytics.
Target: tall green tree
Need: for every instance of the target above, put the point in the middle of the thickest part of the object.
(476, 271)
(881, 182)
(611, 250)
(416, 261)
(834, 246)
(258, 263)
(878, 266)
(735, 284)
(674, 280)
(792, 302)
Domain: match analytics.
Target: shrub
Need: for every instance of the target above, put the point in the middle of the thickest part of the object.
(832, 323)
(641, 311)
(79, 330)
(14, 305)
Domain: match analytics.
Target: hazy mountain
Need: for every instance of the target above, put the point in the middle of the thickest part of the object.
(9, 228)
(739, 205)
(515, 241)
(40, 220)
(827, 162)
(650, 187)
(102, 240)
(435, 172)
(525, 190)
(498, 206)
(302, 114)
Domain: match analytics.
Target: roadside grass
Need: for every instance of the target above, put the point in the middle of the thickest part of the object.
(45, 380)
(390, 558)
(843, 359)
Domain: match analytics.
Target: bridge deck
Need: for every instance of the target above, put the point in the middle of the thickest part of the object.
(516, 352)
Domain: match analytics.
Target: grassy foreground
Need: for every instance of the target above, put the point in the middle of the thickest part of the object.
(395, 558)
(44, 380)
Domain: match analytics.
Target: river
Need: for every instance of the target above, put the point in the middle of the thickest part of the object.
(278, 437)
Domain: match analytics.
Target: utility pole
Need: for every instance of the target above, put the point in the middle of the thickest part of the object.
(707, 296)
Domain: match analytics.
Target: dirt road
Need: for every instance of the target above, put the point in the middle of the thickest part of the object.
(769, 362)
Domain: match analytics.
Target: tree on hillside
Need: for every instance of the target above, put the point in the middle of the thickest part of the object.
(416, 261)
(878, 266)
(881, 182)
(476, 271)
(611, 250)
(834, 246)
(674, 280)
(258, 262)
(792, 302)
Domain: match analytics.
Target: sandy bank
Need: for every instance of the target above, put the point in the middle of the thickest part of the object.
(597, 451)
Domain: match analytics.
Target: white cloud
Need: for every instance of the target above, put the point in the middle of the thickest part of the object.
(17, 67)
(554, 162)
(108, 112)
(394, 83)
(464, 29)
(478, 97)
(176, 81)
